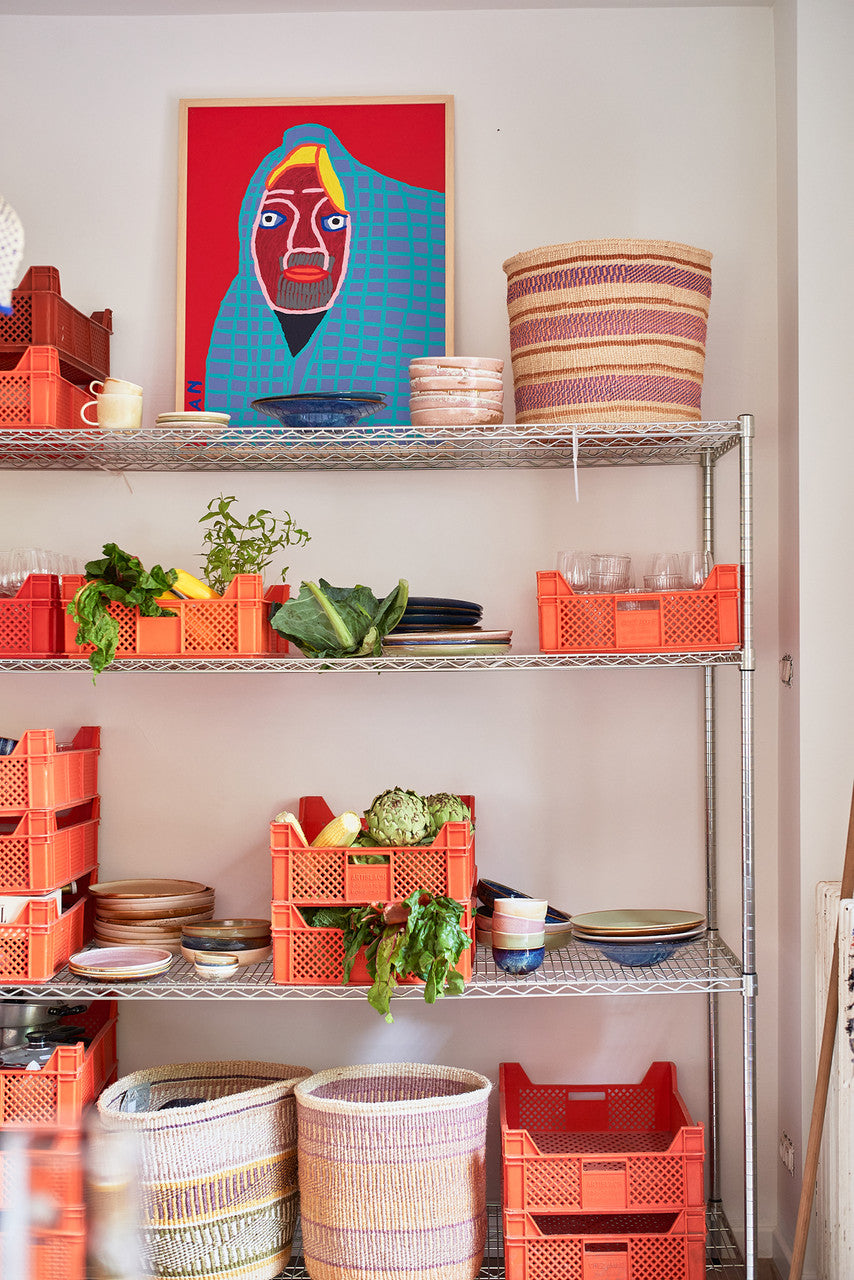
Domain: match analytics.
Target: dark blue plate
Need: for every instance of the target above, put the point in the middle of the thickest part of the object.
(316, 411)
(441, 602)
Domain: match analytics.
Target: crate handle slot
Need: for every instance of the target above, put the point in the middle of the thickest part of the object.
(636, 604)
(586, 1095)
(604, 1166)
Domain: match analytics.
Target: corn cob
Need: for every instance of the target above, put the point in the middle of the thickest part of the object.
(293, 821)
(340, 833)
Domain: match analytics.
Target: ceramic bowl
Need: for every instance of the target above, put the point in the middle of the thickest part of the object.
(216, 965)
(558, 930)
(257, 955)
(473, 417)
(634, 955)
(319, 411)
(464, 381)
(242, 927)
(519, 961)
(485, 364)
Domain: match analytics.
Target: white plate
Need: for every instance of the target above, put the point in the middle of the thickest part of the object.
(120, 963)
(635, 938)
(192, 415)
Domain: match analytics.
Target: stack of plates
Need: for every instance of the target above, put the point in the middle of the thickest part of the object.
(192, 417)
(120, 964)
(442, 625)
(456, 391)
(638, 937)
(148, 912)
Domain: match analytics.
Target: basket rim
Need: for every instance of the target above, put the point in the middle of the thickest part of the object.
(305, 1095)
(613, 245)
(278, 1082)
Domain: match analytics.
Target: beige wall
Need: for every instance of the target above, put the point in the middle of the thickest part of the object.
(569, 124)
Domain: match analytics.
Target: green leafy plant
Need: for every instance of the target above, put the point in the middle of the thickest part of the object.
(421, 935)
(232, 545)
(120, 577)
(334, 622)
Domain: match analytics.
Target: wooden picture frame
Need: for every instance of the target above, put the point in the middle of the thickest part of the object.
(315, 248)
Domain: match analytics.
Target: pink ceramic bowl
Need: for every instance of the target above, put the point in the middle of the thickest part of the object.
(484, 363)
(471, 382)
(462, 400)
(471, 417)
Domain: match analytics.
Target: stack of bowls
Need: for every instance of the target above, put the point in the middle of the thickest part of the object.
(456, 391)
(149, 912)
(247, 940)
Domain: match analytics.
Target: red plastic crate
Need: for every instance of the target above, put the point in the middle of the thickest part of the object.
(30, 621)
(332, 877)
(40, 940)
(40, 775)
(45, 849)
(34, 396)
(237, 624)
(642, 621)
(54, 1164)
(42, 318)
(55, 1254)
(595, 1148)
(304, 956)
(608, 1246)
(56, 1096)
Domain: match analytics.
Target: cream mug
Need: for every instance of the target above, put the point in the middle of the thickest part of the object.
(115, 410)
(111, 386)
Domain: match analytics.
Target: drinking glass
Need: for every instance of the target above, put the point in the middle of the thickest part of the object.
(664, 572)
(696, 567)
(574, 566)
(610, 573)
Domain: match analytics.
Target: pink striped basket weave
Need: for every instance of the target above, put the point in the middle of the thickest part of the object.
(392, 1172)
(609, 331)
(217, 1173)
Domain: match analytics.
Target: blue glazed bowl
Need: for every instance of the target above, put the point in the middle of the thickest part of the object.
(318, 411)
(635, 955)
(518, 962)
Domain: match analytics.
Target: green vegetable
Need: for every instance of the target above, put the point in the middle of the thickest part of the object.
(121, 577)
(398, 817)
(232, 546)
(421, 936)
(444, 807)
(336, 622)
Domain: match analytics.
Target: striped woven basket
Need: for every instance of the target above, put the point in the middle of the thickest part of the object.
(218, 1178)
(609, 331)
(392, 1173)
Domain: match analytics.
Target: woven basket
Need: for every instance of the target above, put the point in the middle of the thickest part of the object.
(392, 1174)
(218, 1179)
(609, 331)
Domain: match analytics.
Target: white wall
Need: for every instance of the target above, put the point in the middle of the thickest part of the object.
(588, 784)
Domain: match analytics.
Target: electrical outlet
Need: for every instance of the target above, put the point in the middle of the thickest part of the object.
(787, 1152)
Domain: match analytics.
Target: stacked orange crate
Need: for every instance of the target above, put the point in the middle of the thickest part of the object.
(601, 1180)
(305, 876)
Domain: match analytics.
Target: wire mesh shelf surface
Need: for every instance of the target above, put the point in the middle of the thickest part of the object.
(201, 447)
(707, 964)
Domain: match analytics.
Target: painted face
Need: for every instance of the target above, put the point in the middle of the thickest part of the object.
(300, 243)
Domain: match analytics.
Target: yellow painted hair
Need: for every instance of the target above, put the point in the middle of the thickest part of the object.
(313, 153)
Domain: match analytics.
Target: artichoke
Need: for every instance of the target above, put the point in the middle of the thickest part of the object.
(445, 807)
(399, 817)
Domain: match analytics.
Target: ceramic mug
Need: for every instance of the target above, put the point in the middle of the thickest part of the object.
(113, 386)
(115, 410)
(519, 933)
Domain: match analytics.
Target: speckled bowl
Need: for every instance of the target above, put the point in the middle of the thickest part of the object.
(634, 955)
(518, 962)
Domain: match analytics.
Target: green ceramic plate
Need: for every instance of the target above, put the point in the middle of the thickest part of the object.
(638, 922)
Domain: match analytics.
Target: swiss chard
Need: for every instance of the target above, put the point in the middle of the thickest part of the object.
(121, 577)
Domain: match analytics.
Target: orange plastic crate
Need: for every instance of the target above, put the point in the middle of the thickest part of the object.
(40, 775)
(45, 849)
(332, 877)
(640, 622)
(56, 1254)
(56, 1096)
(304, 956)
(34, 395)
(608, 1246)
(237, 624)
(596, 1148)
(40, 941)
(30, 621)
(54, 1163)
(42, 318)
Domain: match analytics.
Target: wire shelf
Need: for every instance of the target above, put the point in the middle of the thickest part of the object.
(704, 965)
(201, 447)
(495, 662)
(723, 1260)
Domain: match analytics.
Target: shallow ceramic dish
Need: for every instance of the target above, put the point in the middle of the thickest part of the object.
(462, 380)
(641, 921)
(256, 956)
(146, 888)
(239, 927)
(310, 411)
(486, 363)
(441, 602)
(181, 416)
(635, 955)
(460, 635)
(688, 936)
(473, 417)
(120, 964)
(157, 909)
(444, 650)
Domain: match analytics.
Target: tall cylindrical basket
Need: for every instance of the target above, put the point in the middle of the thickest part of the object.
(608, 331)
(392, 1172)
(218, 1171)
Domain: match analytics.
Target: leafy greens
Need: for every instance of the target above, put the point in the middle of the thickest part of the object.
(118, 577)
(336, 622)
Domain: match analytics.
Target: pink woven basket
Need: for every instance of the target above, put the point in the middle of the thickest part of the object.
(609, 331)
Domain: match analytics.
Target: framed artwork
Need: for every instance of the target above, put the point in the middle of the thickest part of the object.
(315, 248)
